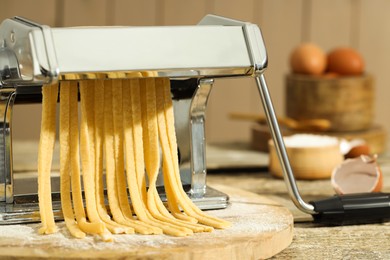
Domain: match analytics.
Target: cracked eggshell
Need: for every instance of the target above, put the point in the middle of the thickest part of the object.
(357, 175)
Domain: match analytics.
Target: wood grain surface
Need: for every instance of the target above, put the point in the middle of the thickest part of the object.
(261, 228)
(347, 102)
(313, 241)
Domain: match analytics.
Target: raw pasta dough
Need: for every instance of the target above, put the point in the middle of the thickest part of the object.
(125, 121)
(45, 156)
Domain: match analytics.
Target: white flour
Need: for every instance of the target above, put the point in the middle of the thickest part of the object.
(310, 140)
(248, 217)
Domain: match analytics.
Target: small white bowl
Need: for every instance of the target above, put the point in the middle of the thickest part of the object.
(311, 156)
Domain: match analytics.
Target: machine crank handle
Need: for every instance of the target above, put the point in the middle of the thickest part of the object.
(349, 209)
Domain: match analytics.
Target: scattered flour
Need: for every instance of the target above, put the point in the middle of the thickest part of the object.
(249, 218)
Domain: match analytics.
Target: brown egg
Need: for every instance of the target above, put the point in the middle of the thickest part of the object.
(354, 148)
(308, 58)
(357, 151)
(345, 61)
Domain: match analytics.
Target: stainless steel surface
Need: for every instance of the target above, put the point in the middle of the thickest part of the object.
(198, 139)
(7, 97)
(280, 147)
(78, 52)
(253, 38)
(9, 187)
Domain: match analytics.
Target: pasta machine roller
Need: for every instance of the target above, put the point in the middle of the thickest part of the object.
(32, 55)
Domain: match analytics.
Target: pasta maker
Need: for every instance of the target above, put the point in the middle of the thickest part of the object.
(32, 55)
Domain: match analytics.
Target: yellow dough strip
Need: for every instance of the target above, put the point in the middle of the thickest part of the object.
(144, 86)
(85, 226)
(181, 219)
(136, 113)
(98, 139)
(118, 156)
(112, 192)
(65, 169)
(87, 148)
(170, 157)
(171, 199)
(200, 215)
(150, 142)
(45, 156)
(111, 225)
(189, 222)
(93, 164)
(87, 159)
(129, 142)
(172, 187)
(163, 84)
(117, 108)
(152, 158)
(151, 153)
(135, 159)
(172, 203)
(135, 162)
(111, 177)
(151, 146)
(97, 226)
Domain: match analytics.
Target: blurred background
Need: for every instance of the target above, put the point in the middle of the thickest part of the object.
(360, 24)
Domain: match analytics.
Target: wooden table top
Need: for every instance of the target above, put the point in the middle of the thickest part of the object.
(371, 241)
(310, 241)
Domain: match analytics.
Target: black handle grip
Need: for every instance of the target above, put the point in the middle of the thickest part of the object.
(362, 208)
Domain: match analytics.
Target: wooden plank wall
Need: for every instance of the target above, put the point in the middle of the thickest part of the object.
(362, 24)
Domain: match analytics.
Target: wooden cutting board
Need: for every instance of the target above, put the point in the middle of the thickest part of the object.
(261, 228)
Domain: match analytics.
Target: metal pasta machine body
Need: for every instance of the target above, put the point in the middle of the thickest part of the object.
(32, 55)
